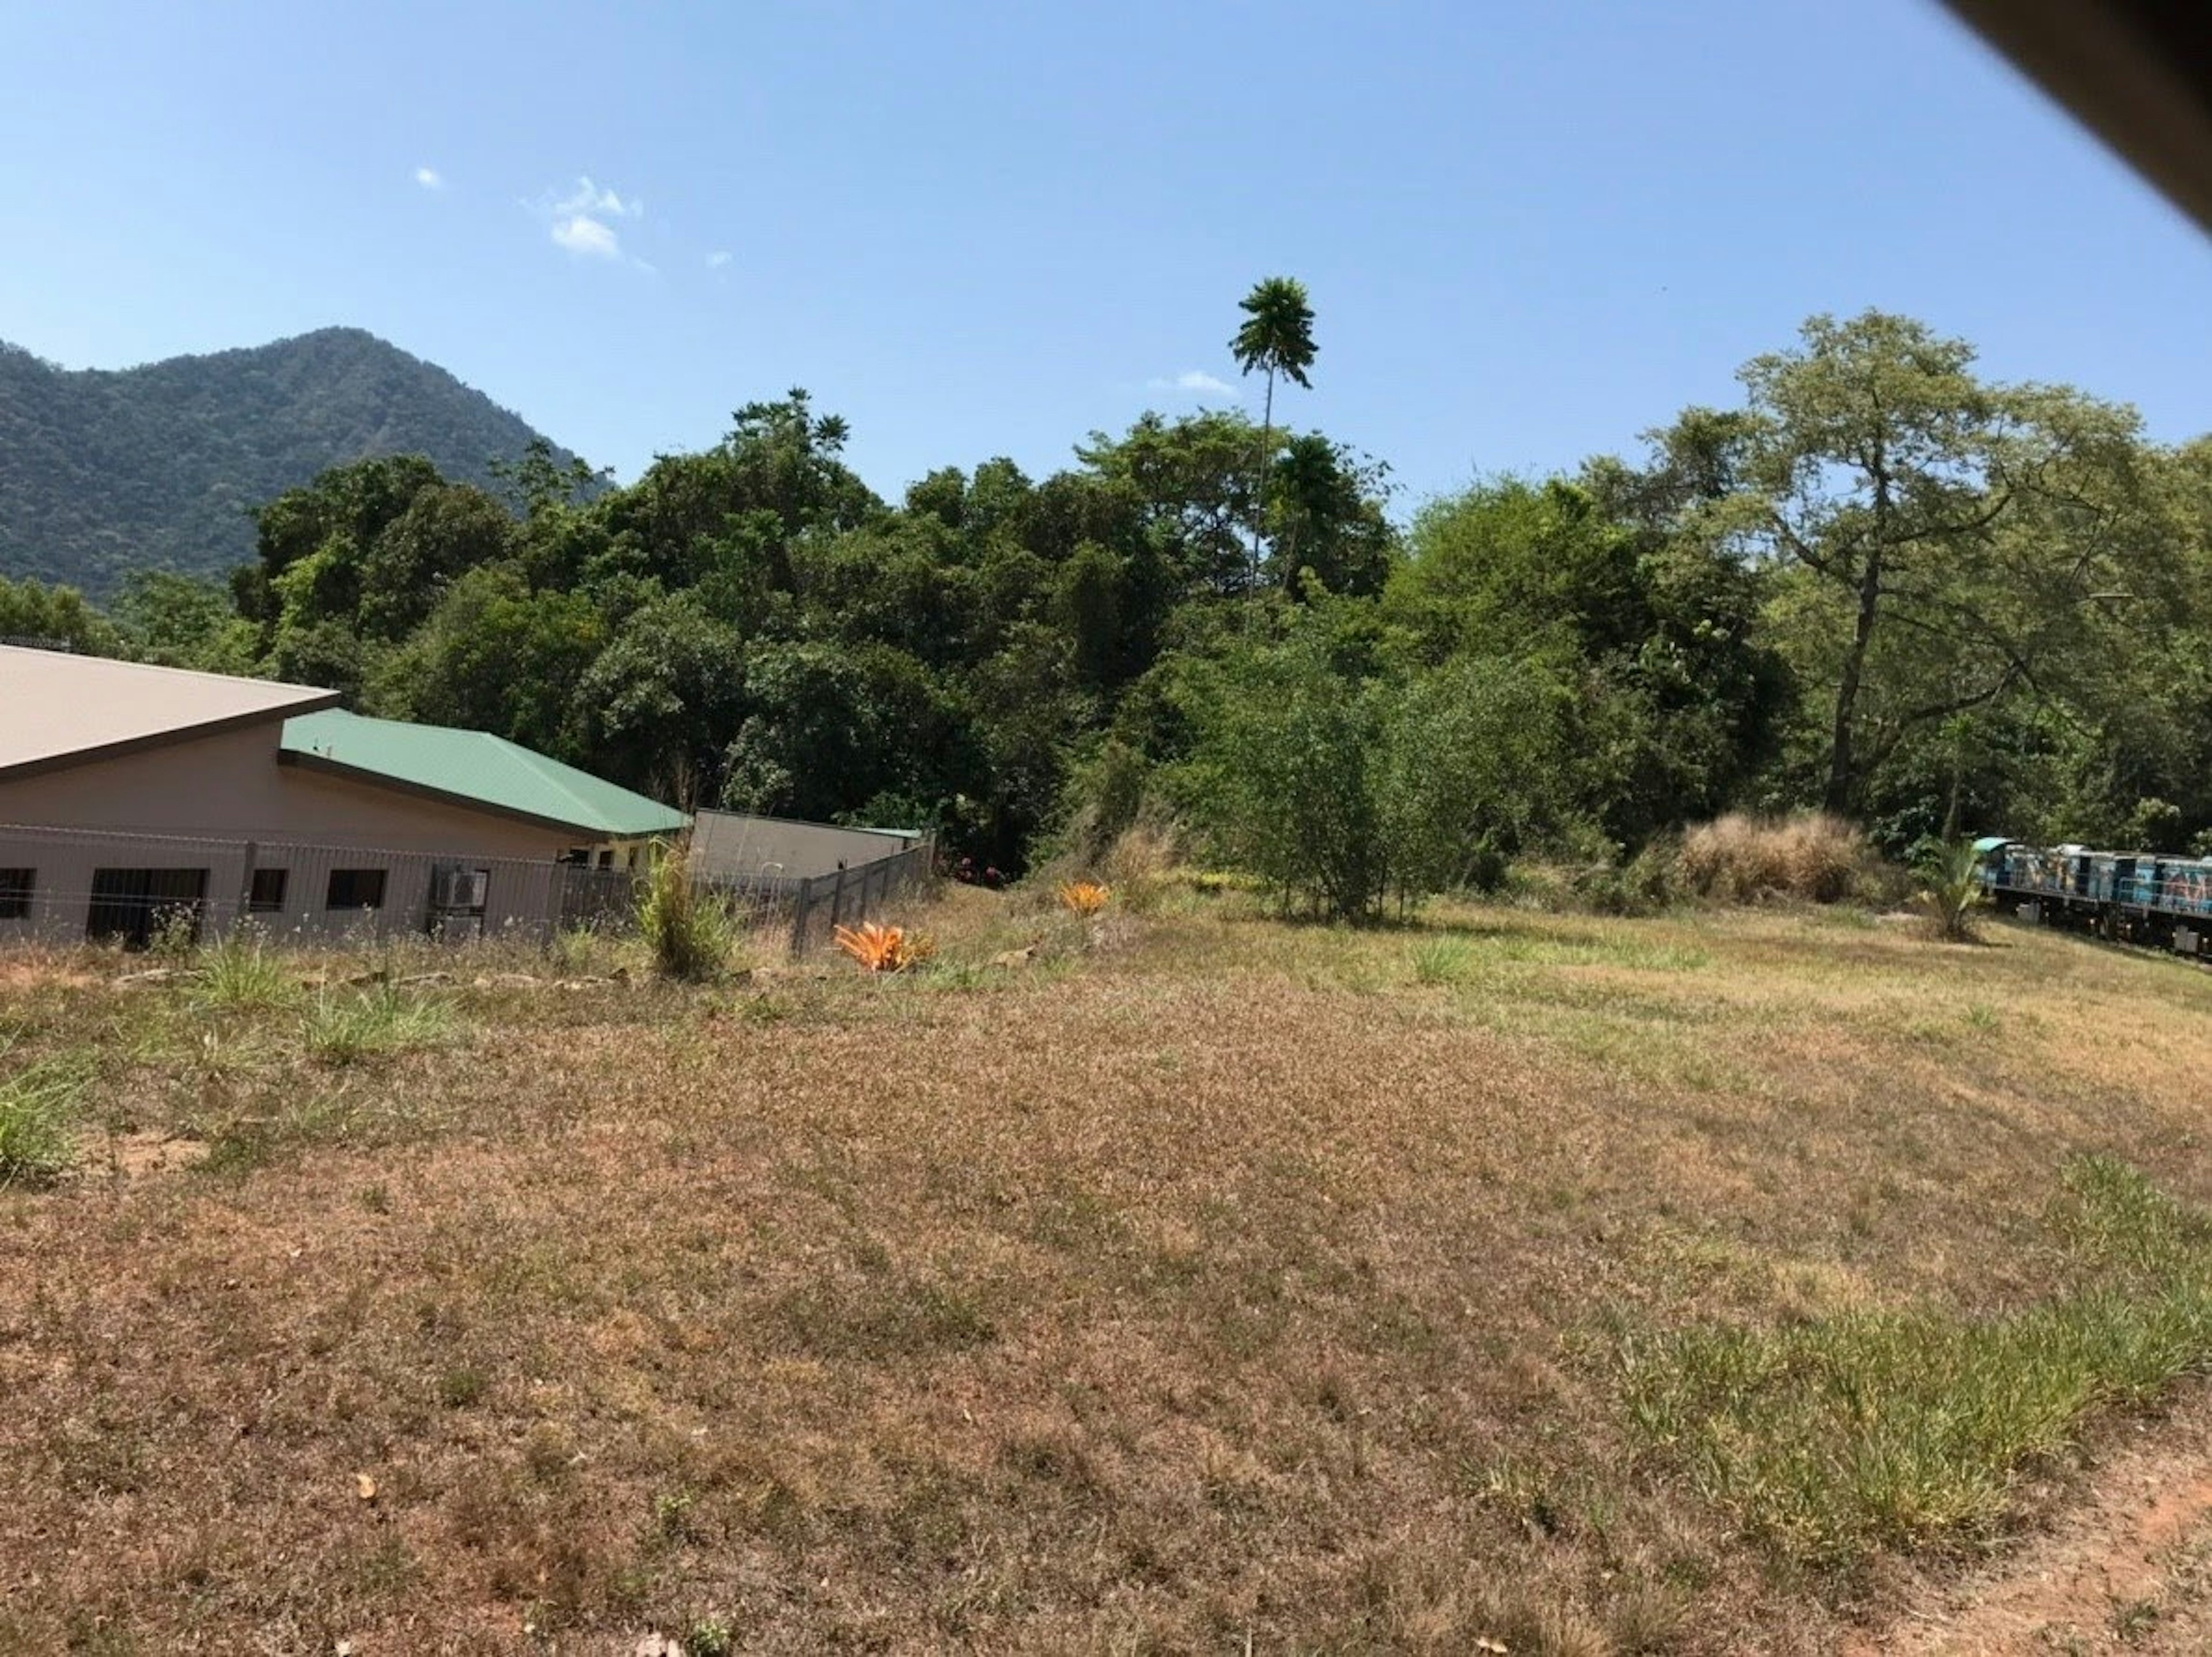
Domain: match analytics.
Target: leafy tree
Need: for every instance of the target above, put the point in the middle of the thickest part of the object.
(1276, 337)
(31, 613)
(182, 621)
(1327, 522)
(1903, 489)
(496, 656)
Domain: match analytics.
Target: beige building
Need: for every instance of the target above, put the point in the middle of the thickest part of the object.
(129, 791)
(738, 848)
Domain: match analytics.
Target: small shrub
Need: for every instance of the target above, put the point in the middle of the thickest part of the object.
(376, 1023)
(1950, 888)
(1744, 860)
(689, 933)
(882, 949)
(241, 974)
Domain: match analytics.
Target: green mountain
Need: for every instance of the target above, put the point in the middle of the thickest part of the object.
(103, 472)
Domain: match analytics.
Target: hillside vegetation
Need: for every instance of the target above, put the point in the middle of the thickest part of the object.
(103, 472)
(1882, 585)
(1187, 1280)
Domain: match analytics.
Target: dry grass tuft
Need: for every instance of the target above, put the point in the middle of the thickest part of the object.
(1812, 857)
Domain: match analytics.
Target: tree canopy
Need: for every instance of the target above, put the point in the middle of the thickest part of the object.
(1882, 583)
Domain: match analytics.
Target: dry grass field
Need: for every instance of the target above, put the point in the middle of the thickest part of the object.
(1186, 1282)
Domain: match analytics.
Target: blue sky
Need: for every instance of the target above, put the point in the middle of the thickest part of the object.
(1529, 232)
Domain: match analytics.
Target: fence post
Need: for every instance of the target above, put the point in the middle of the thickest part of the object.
(801, 898)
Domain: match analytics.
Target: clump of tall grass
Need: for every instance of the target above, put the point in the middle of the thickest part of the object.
(241, 974)
(689, 933)
(1441, 960)
(378, 1022)
(1833, 1439)
(38, 1110)
(1738, 858)
(1140, 863)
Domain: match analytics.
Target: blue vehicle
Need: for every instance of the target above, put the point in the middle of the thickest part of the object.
(2132, 897)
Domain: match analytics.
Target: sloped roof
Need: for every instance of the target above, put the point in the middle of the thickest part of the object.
(475, 768)
(59, 709)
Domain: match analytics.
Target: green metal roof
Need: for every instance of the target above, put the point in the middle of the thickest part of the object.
(475, 769)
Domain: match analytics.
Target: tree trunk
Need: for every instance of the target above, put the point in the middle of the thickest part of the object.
(1267, 445)
(1843, 784)
(1843, 779)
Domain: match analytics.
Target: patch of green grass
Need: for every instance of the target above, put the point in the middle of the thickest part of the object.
(1909, 1430)
(376, 1023)
(38, 1117)
(241, 974)
(462, 1385)
(1441, 960)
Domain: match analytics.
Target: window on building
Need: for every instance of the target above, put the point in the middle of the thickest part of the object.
(607, 858)
(266, 896)
(355, 888)
(132, 905)
(16, 893)
(577, 857)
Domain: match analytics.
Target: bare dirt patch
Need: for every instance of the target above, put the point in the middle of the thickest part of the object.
(140, 1155)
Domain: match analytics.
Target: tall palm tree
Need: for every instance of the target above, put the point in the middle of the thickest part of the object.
(1277, 337)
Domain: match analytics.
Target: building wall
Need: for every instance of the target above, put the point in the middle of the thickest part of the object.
(730, 844)
(227, 790)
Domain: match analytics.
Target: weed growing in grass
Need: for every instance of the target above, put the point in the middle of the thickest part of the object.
(241, 974)
(1833, 1439)
(1442, 960)
(710, 1636)
(38, 1108)
(377, 1022)
(690, 933)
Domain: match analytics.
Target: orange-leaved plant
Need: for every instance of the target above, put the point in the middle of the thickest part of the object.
(1084, 897)
(884, 948)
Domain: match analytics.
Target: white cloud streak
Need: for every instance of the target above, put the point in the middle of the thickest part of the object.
(717, 260)
(429, 178)
(1196, 382)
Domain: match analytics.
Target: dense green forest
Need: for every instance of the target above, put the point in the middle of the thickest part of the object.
(1881, 583)
(102, 473)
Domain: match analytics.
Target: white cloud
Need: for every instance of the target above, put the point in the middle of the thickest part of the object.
(581, 220)
(717, 260)
(587, 200)
(429, 178)
(1197, 382)
(582, 235)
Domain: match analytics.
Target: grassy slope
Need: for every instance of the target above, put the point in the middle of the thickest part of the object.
(1225, 1281)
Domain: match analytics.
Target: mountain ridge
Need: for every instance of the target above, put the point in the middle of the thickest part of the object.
(107, 470)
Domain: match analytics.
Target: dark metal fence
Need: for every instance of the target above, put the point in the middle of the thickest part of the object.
(846, 897)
